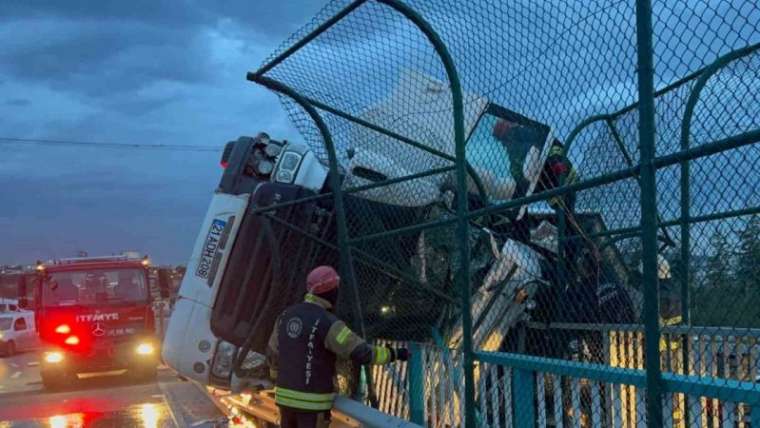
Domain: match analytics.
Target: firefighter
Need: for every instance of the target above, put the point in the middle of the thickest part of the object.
(558, 170)
(303, 347)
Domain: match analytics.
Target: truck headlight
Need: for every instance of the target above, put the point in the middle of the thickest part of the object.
(287, 167)
(223, 360)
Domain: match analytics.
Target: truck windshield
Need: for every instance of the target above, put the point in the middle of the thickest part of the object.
(5, 323)
(94, 287)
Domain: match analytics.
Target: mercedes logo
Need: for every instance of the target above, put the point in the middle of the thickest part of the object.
(98, 330)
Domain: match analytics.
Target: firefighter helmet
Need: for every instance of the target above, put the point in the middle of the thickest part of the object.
(321, 280)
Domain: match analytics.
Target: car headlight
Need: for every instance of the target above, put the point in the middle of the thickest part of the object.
(145, 349)
(53, 357)
(223, 360)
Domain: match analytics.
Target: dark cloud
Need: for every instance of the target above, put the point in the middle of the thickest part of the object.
(159, 12)
(17, 102)
(146, 71)
(99, 60)
(276, 19)
(125, 46)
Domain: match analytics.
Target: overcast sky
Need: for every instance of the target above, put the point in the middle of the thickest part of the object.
(156, 72)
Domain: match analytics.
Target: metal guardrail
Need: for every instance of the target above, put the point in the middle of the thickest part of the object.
(719, 357)
(260, 407)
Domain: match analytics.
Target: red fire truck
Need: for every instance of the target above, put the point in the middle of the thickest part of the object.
(94, 315)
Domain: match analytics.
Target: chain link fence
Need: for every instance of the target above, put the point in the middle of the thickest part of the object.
(546, 197)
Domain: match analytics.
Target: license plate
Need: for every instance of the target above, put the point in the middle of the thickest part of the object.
(209, 248)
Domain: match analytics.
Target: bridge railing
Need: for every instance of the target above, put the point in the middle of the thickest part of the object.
(715, 356)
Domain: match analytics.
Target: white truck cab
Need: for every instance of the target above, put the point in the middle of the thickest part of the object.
(258, 171)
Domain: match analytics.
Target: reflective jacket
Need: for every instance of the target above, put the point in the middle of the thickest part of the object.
(302, 350)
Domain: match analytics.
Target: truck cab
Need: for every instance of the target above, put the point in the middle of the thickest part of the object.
(233, 286)
(95, 315)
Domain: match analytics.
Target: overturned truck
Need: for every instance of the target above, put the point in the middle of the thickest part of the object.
(273, 218)
(525, 193)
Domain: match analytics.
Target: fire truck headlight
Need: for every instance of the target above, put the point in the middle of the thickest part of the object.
(223, 360)
(145, 349)
(53, 357)
(72, 340)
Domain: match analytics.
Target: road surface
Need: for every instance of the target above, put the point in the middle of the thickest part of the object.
(102, 401)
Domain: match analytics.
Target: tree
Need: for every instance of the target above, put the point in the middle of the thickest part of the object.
(709, 299)
(748, 262)
(748, 273)
(718, 264)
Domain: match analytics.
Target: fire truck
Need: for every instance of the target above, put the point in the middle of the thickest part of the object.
(95, 314)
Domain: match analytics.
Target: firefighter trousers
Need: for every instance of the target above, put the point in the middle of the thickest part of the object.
(293, 418)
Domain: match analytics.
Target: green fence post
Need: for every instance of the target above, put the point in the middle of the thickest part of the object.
(416, 385)
(523, 391)
(346, 266)
(685, 227)
(463, 225)
(649, 212)
(562, 277)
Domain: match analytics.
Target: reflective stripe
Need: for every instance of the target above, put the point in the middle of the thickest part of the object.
(311, 298)
(313, 397)
(343, 335)
(382, 355)
(303, 400)
(556, 151)
(303, 405)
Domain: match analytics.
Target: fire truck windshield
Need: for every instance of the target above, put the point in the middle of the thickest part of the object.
(5, 323)
(94, 287)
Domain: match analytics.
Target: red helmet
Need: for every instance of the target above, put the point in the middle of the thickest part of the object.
(322, 279)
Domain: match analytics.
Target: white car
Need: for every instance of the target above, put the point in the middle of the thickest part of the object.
(17, 332)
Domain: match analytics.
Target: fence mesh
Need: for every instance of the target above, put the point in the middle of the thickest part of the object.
(550, 93)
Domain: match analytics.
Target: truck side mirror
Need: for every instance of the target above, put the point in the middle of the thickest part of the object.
(164, 282)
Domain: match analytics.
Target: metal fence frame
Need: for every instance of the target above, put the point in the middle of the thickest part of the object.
(524, 368)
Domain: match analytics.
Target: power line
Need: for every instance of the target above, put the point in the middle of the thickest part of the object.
(102, 144)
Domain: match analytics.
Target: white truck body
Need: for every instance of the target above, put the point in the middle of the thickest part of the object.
(189, 343)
